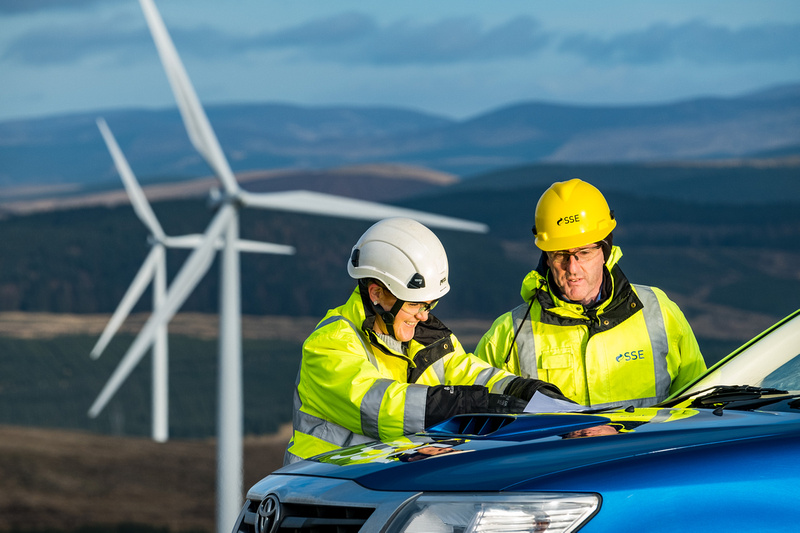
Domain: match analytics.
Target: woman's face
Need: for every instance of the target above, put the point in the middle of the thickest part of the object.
(407, 317)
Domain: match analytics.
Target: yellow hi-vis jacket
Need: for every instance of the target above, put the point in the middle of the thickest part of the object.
(352, 388)
(634, 348)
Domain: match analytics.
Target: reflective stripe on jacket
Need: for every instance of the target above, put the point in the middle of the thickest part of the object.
(634, 348)
(351, 388)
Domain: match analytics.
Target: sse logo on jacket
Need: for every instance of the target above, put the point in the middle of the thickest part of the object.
(631, 356)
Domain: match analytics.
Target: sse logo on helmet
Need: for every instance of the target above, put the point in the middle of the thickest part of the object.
(568, 220)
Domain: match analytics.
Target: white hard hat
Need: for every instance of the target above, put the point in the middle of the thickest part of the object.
(405, 256)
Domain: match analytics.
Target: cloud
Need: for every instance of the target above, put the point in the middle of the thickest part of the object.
(14, 7)
(339, 30)
(356, 38)
(350, 38)
(334, 30)
(451, 40)
(53, 45)
(694, 41)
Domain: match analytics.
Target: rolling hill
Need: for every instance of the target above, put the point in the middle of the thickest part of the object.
(64, 150)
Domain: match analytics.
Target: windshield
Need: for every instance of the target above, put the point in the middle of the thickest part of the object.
(772, 360)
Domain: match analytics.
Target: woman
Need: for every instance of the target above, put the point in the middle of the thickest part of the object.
(382, 366)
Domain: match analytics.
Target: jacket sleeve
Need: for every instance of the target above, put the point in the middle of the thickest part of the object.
(685, 361)
(462, 368)
(445, 401)
(496, 343)
(339, 383)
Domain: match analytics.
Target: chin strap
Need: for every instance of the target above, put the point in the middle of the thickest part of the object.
(388, 316)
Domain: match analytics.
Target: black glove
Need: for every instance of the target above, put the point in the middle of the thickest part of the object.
(525, 388)
(503, 403)
(445, 401)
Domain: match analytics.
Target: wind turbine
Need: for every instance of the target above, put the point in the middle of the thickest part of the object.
(225, 226)
(154, 269)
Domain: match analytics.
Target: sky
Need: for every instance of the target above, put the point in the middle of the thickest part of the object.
(456, 58)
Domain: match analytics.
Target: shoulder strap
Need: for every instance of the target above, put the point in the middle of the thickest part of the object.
(518, 318)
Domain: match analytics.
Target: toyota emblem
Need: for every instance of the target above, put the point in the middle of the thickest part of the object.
(268, 516)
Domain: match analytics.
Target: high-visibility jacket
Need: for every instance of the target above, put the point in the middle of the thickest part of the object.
(634, 348)
(352, 388)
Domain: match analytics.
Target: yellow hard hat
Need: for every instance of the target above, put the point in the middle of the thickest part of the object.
(571, 214)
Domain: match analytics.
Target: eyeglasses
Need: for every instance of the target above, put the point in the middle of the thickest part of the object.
(583, 255)
(414, 308)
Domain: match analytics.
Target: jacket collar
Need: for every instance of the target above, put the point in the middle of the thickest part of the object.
(614, 306)
(358, 309)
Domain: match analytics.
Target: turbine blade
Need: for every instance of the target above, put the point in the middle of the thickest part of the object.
(190, 274)
(184, 241)
(139, 201)
(264, 247)
(194, 118)
(339, 206)
(243, 245)
(132, 295)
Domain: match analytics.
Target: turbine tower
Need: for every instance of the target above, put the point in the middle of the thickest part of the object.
(225, 226)
(154, 269)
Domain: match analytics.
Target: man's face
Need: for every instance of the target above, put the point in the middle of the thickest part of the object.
(578, 272)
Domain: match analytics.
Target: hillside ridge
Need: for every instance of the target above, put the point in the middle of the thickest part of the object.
(388, 180)
(69, 149)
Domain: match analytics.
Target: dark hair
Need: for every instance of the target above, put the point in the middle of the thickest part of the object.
(606, 244)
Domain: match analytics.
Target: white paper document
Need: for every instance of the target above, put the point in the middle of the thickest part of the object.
(541, 403)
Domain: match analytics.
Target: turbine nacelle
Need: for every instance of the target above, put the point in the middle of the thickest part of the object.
(218, 196)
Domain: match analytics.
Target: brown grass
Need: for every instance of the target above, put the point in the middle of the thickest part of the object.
(65, 479)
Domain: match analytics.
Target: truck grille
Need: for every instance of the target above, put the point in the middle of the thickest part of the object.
(303, 518)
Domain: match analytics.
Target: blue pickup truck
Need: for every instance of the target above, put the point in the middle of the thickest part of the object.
(721, 455)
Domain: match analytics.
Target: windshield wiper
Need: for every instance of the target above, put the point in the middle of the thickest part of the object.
(733, 393)
(741, 397)
(701, 398)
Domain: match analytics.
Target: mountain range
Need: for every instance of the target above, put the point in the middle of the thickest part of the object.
(66, 153)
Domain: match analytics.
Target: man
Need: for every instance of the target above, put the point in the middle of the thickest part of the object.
(583, 326)
(382, 366)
